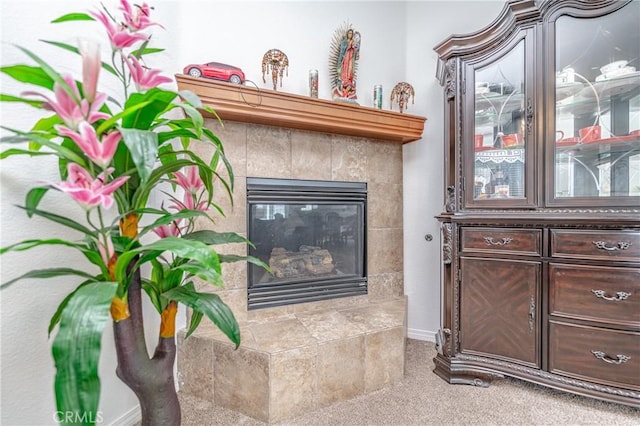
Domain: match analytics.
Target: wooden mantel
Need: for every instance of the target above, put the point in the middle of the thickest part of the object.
(263, 106)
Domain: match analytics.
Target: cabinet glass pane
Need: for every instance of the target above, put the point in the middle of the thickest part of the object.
(499, 139)
(597, 94)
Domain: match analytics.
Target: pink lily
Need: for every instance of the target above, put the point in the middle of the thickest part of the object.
(106, 249)
(172, 229)
(143, 77)
(118, 35)
(99, 151)
(90, 52)
(86, 190)
(189, 181)
(71, 109)
(137, 19)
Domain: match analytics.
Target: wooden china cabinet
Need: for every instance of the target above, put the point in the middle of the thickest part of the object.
(541, 224)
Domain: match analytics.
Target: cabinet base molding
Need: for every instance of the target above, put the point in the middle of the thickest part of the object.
(481, 371)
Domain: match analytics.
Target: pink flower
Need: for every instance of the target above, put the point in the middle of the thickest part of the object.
(86, 190)
(136, 19)
(173, 229)
(189, 181)
(99, 151)
(143, 77)
(90, 52)
(105, 247)
(72, 109)
(119, 36)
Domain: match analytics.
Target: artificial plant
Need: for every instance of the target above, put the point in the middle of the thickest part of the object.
(114, 150)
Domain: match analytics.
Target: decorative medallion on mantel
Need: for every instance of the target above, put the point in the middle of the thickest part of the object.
(262, 106)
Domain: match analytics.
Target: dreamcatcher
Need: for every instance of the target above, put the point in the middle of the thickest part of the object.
(275, 62)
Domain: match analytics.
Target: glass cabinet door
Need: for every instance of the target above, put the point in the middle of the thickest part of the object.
(597, 109)
(500, 134)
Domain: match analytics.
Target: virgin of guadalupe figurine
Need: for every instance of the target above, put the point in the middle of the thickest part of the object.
(343, 63)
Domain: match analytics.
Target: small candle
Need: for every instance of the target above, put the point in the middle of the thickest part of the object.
(313, 83)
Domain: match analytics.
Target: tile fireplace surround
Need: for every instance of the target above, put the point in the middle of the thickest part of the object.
(301, 357)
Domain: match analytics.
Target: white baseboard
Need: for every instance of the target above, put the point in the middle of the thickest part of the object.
(129, 418)
(414, 333)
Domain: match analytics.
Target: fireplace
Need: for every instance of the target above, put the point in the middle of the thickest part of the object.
(312, 234)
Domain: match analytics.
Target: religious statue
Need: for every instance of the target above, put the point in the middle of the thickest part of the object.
(343, 63)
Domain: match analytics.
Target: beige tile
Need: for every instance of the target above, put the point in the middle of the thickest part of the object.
(384, 162)
(294, 382)
(234, 274)
(384, 205)
(384, 251)
(384, 364)
(233, 136)
(195, 365)
(385, 286)
(328, 325)
(268, 152)
(340, 370)
(378, 316)
(311, 155)
(348, 159)
(241, 380)
(274, 336)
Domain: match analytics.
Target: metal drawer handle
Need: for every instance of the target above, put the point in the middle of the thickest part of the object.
(620, 295)
(621, 245)
(620, 359)
(490, 241)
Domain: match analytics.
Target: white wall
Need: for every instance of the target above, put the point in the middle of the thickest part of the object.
(397, 45)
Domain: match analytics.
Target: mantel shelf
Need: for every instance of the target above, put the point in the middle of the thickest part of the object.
(263, 106)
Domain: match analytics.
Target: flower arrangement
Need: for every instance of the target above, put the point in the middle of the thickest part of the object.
(116, 150)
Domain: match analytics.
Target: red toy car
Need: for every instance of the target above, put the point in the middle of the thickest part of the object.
(216, 70)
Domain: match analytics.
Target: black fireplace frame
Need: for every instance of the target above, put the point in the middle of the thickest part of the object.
(299, 191)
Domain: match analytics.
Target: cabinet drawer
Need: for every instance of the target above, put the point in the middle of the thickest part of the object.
(503, 240)
(617, 245)
(595, 293)
(610, 357)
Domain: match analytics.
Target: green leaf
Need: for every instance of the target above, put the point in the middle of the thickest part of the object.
(29, 74)
(201, 271)
(55, 319)
(151, 289)
(143, 146)
(230, 258)
(14, 151)
(171, 217)
(29, 244)
(196, 317)
(74, 49)
(76, 350)
(59, 150)
(48, 273)
(141, 195)
(62, 220)
(49, 71)
(210, 305)
(73, 17)
(212, 237)
(189, 250)
(11, 98)
(34, 196)
(157, 101)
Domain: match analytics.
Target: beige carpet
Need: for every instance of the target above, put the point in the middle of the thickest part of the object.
(422, 398)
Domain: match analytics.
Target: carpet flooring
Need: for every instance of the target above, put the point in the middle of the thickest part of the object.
(422, 398)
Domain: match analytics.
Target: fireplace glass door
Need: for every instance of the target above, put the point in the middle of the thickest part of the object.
(312, 236)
